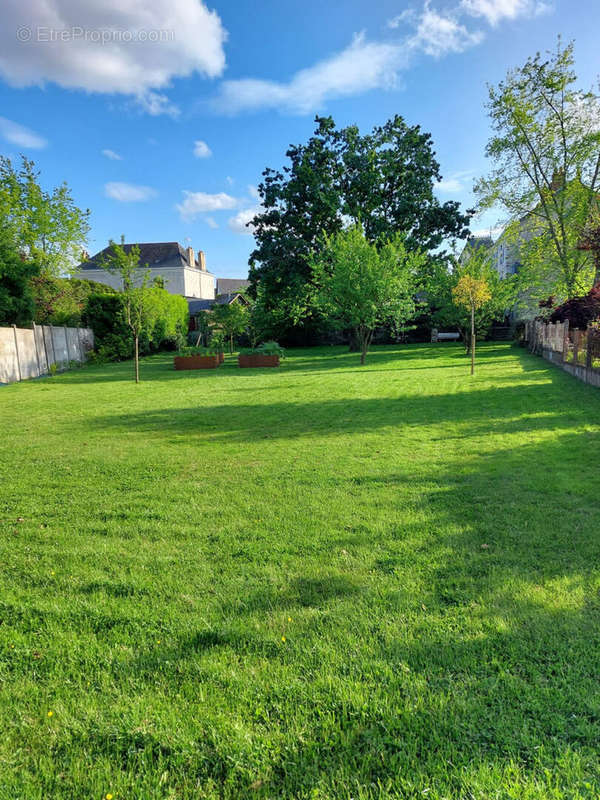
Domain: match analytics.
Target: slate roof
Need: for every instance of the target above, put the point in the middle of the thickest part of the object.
(195, 305)
(229, 285)
(156, 254)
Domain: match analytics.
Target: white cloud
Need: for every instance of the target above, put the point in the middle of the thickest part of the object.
(110, 154)
(118, 46)
(439, 34)
(129, 192)
(211, 222)
(201, 149)
(253, 191)
(455, 183)
(230, 180)
(20, 135)
(361, 66)
(496, 10)
(155, 103)
(239, 223)
(195, 203)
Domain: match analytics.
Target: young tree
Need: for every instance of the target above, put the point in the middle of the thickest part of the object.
(232, 319)
(471, 293)
(384, 180)
(443, 278)
(363, 286)
(124, 261)
(546, 176)
(47, 226)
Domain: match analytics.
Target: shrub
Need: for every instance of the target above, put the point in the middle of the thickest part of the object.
(165, 318)
(265, 349)
(62, 301)
(580, 311)
(197, 351)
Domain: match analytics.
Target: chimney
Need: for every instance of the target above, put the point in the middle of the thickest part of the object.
(201, 260)
(190, 257)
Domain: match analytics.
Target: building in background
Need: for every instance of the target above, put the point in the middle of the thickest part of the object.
(180, 270)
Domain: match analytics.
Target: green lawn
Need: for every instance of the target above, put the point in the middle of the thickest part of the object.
(322, 581)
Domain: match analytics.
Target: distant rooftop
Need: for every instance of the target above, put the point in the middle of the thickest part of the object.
(155, 254)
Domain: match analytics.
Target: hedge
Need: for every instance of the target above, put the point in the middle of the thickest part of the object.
(165, 323)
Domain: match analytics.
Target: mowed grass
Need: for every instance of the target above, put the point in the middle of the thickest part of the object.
(322, 581)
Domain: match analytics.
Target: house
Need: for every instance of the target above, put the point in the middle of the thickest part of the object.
(180, 269)
(182, 272)
(474, 244)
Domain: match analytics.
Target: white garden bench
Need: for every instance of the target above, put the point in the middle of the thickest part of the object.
(444, 336)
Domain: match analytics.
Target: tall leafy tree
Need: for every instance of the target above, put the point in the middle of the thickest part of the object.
(16, 296)
(384, 180)
(546, 175)
(363, 286)
(45, 226)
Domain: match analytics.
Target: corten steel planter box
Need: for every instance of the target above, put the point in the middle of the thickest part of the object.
(196, 362)
(258, 361)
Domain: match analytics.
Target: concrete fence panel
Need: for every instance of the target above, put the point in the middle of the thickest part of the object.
(26, 353)
(40, 346)
(59, 344)
(9, 363)
(29, 353)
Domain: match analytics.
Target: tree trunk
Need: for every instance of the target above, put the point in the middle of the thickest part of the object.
(472, 341)
(137, 360)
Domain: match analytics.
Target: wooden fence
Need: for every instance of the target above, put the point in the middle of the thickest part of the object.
(31, 352)
(576, 351)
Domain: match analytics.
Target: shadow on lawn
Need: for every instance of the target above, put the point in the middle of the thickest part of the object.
(160, 367)
(538, 404)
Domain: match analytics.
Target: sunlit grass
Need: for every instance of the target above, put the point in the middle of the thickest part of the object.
(322, 581)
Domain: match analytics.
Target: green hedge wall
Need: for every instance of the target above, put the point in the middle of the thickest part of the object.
(165, 323)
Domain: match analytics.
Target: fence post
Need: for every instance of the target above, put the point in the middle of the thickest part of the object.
(589, 347)
(67, 344)
(37, 354)
(576, 346)
(565, 357)
(14, 327)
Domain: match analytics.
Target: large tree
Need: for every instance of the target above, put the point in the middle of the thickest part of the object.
(363, 286)
(16, 297)
(546, 175)
(384, 180)
(45, 226)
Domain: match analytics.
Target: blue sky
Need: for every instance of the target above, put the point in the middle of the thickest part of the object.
(166, 140)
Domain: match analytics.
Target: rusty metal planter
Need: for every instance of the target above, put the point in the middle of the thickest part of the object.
(196, 362)
(258, 361)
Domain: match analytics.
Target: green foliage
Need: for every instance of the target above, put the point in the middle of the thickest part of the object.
(427, 546)
(62, 301)
(197, 351)
(164, 320)
(546, 176)
(47, 226)
(232, 320)
(363, 286)
(266, 349)
(16, 298)
(384, 179)
(446, 315)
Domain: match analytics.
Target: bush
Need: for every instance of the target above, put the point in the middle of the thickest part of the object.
(62, 301)
(197, 351)
(16, 299)
(265, 349)
(165, 323)
(580, 311)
